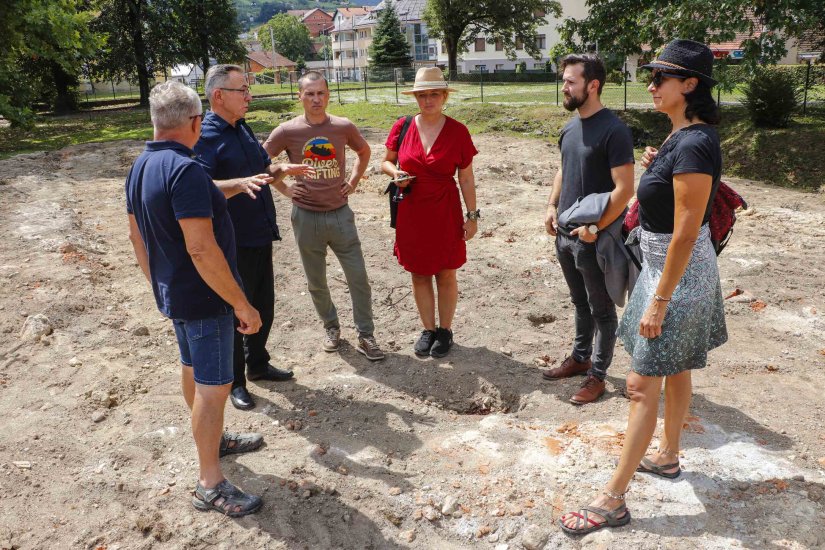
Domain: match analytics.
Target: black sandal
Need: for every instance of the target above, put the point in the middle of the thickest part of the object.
(226, 499)
(647, 466)
(612, 518)
(234, 443)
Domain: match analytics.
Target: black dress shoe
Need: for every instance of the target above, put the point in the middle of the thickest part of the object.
(271, 373)
(241, 399)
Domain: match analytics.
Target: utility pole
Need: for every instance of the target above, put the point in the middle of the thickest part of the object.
(272, 41)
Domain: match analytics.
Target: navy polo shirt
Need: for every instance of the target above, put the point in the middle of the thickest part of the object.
(165, 185)
(227, 152)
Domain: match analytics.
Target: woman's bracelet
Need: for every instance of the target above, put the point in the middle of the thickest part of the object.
(661, 298)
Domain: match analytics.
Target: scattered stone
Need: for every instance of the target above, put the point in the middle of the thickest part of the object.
(493, 537)
(287, 325)
(449, 506)
(35, 327)
(75, 362)
(23, 464)
(506, 351)
(514, 510)
(502, 547)
(141, 331)
(822, 461)
(600, 540)
(98, 416)
(408, 535)
(430, 513)
(483, 531)
(395, 491)
(534, 537)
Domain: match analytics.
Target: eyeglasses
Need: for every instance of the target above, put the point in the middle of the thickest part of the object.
(658, 77)
(200, 116)
(244, 91)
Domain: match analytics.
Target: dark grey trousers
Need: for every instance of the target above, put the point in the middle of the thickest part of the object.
(595, 311)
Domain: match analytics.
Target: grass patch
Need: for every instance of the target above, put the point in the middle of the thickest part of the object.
(790, 157)
(50, 133)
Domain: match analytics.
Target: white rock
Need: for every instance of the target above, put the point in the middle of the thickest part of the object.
(600, 540)
(36, 326)
(431, 513)
(75, 362)
(534, 538)
(450, 505)
(98, 416)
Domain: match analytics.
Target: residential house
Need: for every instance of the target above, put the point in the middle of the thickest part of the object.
(189, 74)
(317, 21)
(257, 62)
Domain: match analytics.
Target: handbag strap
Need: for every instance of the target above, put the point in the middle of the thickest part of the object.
(404, 127)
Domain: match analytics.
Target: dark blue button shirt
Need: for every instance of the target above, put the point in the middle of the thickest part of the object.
(229, 152)
(165, 185)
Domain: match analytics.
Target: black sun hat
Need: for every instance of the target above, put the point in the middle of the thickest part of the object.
(688, 57)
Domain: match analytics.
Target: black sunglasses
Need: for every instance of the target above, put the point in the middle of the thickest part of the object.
(200, 116)
(658, 77)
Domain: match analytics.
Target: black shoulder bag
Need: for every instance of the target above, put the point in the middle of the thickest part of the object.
(392, 189)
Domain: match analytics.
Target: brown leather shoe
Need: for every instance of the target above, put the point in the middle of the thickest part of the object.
(592, 388)
(569, 367)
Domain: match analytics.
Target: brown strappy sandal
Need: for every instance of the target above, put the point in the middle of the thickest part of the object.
(612, 518)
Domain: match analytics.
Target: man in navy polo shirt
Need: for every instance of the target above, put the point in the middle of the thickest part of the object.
(229, 151)
(185, 245)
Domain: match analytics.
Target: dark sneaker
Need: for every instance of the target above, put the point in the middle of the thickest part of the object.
(591, 389)
(369, 347)
(443, 342)
(424, 343)
(333, 340)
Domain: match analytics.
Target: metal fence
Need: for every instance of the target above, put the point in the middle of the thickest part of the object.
(525, 88)
(531, 87)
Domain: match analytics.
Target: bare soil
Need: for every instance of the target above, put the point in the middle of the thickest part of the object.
(95, 444)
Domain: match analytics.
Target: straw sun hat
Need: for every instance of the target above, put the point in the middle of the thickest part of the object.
(429, 78)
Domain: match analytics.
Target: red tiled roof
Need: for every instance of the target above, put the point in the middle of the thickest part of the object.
(265, 59)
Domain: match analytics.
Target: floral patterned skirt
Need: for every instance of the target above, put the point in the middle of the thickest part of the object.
(695, 319)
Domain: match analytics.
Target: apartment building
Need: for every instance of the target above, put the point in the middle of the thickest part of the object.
(352, 37)
(490, 57)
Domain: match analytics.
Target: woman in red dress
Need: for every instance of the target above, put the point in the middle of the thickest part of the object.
(431, 229)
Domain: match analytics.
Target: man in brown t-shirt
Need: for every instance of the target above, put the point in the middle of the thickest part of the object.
(321, 216)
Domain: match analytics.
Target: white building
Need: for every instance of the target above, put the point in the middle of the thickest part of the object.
(352, 37)
(483, 56)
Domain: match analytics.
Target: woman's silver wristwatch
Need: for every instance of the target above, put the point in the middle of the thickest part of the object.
(473, 215)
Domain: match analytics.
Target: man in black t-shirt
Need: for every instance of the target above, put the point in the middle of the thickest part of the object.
(596, 157)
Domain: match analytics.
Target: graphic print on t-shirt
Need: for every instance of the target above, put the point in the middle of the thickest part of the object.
(320, 154)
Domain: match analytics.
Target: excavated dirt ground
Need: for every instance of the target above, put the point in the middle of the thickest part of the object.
(96, 449)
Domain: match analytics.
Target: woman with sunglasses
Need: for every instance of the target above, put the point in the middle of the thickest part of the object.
(675, 314)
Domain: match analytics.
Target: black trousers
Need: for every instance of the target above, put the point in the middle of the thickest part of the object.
(255, 268)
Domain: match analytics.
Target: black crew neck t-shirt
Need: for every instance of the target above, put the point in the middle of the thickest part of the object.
(691, 150)
(590, 148)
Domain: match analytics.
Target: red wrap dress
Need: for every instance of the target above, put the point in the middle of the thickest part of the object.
(429, 229)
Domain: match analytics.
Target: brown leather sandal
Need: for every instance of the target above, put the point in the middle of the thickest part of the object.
(612, 518)
(647, 466)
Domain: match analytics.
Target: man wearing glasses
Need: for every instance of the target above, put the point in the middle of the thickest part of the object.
(229, 151)
(596, 157)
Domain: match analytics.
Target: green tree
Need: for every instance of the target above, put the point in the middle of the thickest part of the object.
(42, 44)
(140, 41)
(207, 29)
(626, 25)
(389, 46)
(459, 22)
(291, 37)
